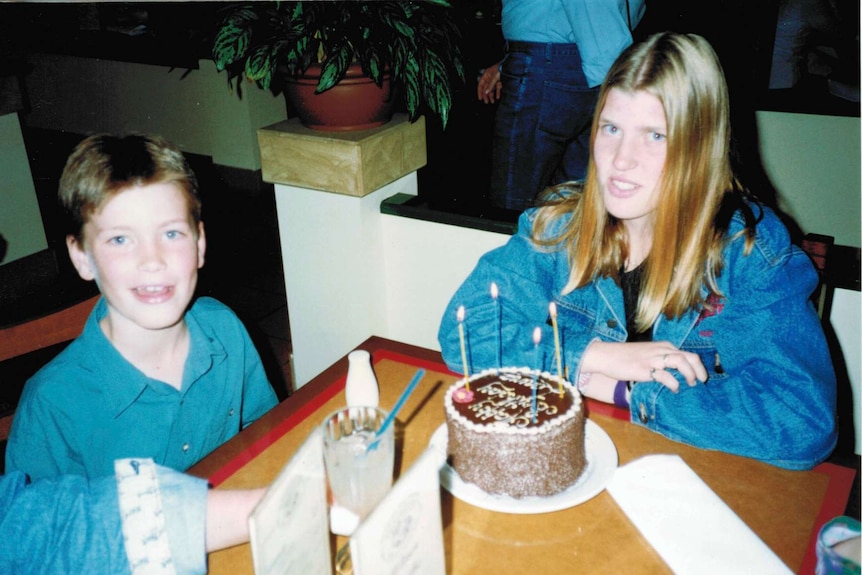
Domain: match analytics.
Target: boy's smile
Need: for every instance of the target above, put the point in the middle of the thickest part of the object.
(144, 251)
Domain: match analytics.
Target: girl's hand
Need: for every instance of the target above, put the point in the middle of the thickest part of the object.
(643, 361)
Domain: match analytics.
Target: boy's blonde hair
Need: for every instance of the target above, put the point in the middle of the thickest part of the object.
(696, 188)
(103, 165)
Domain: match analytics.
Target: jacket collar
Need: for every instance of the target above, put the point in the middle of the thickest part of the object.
(675, 331)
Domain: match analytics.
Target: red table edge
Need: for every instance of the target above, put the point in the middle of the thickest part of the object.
(330, 382)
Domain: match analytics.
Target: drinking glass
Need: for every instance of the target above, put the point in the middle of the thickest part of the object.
(358, 464)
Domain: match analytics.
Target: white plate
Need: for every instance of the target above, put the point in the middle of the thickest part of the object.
(601, 464)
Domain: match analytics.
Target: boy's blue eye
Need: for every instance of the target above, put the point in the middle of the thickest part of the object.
(117, 240)
(172, 234)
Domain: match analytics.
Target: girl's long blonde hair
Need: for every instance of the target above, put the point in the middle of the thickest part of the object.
(697, 190)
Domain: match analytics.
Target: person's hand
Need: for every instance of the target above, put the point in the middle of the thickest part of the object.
(643, 361)
(490, 86)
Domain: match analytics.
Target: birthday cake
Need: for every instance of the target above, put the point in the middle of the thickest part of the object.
(509, 441)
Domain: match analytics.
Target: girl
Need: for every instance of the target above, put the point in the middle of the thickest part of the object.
(679, 296)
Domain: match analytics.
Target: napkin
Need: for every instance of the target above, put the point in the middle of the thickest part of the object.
(692, 529)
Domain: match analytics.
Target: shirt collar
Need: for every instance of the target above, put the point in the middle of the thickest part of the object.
(124, 383)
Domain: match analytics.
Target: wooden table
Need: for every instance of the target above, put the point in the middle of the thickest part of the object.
(785, 508)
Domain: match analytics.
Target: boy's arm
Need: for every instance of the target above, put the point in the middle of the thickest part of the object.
(35, 444)
(258, 396)
(227, 516)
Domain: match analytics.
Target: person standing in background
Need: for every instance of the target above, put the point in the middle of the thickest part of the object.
(558, 54)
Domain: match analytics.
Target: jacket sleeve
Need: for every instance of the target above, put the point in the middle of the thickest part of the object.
(80, 525)
(500, 332)
(65, 524)
(771, 392)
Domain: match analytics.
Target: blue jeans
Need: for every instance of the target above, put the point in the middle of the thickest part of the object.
(542, 126)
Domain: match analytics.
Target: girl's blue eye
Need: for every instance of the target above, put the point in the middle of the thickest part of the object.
(657, 137)
(609, 129)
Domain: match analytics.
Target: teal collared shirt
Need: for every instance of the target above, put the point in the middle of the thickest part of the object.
(600, 29)
(90, 406)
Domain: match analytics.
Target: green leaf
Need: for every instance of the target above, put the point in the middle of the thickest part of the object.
(230, 45)
(334, 68)
(416, 40)
(258, 64)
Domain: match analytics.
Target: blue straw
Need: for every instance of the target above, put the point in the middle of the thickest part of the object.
(398, 405)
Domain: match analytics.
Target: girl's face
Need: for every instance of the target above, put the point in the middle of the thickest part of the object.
(629, 152)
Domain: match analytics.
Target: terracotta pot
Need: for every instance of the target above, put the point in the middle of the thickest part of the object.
(355, 103)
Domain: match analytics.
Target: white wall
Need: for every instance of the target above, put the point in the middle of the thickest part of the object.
(20, 218)
(333, 271)
(814, 163)
(198, 113)
(425, 264)
(351, 272)
(846, 317)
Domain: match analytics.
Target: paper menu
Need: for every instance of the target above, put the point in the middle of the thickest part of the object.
(404, 533)
(289, 528)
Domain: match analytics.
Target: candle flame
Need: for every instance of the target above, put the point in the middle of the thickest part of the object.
(552, 308)
(460, 313)
(537, 335)
(494, 291)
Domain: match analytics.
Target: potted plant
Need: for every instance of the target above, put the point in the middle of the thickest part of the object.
(302, 47)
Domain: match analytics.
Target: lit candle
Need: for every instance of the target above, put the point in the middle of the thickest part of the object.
(494, 294)
(553, 310)
(537, 337)
(460, 316)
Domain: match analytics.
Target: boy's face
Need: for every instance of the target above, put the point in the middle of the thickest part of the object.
(143, 250)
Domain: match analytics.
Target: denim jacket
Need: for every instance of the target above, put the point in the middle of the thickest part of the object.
(771, 389)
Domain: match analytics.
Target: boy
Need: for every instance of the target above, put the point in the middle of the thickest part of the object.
(150, 376)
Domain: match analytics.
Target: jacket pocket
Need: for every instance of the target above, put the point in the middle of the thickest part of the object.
(709, 355)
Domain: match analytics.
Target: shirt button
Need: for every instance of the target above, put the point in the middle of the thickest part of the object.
(612, 323)
(230, 412)
(185, 447)
(643, 416)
